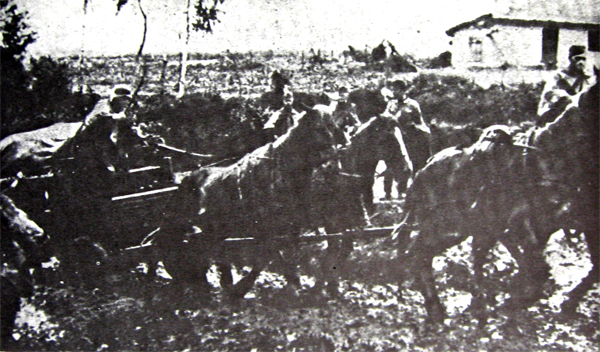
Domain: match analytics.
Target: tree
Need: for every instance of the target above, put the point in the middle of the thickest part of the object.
(200, 16)
(16, 36)
(205, 15)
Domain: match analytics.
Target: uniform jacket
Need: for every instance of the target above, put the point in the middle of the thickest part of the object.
(560, 90)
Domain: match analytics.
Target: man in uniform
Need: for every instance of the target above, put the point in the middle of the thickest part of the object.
(281, 120)
(343, 114)
(406, 113)
(273, 99)
(98, 139)
(564, 86)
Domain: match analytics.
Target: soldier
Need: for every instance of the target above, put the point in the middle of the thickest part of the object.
(343, 114)
(281, 120)
(272, 100)
(564, 86)
(406, 112)
(98, 138)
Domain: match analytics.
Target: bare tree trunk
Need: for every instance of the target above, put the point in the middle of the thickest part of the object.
(182, 82)
(79, 82)
(141, 49)
(141, 67)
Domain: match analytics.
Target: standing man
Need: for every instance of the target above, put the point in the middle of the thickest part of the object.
(343, 114)
(272, 100)
(281, 120)
(564, 86)
(406, 113)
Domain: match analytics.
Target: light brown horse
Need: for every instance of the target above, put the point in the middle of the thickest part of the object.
(264, 194)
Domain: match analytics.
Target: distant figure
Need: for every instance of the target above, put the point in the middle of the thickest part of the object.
(564, 86)
(378, 53)
(406, 112)
(273, 100)
(284, 118)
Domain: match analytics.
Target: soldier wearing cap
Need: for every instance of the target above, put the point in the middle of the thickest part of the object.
(281, 120)
(113, 107)
(99, 135)
(406, 113)
(273, 100)
(564, 86)
(343, 113)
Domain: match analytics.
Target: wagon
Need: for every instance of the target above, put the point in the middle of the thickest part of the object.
(122, 214)
(117, 210)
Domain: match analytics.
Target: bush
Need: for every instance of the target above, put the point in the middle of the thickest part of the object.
(457, 100)
(16, 36)
(50, 86)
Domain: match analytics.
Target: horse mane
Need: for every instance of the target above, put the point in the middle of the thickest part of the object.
(280, 149)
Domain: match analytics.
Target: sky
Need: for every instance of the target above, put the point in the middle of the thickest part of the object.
(416, 27)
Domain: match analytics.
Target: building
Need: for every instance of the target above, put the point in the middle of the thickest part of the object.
(527, 33)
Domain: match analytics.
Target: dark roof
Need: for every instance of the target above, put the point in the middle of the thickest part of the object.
(571, 11)
(487, 21)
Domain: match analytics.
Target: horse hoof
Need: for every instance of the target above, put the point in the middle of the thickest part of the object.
(569, 307)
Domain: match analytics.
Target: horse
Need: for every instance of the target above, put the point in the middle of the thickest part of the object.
(30, 152)
(21, 251)
(567, 157)
(462, 192)
(343, 200)
(377, 139)
(496, 191)
(265, 193)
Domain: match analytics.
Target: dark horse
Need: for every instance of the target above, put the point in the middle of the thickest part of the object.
(497, 191)
(21, 251)
(567, 157)
(377, 139)
(343, 200)
(264, 194)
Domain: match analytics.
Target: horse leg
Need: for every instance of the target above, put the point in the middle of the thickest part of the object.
(593, 241)
(290, 273)
(533, 271)
(186, 258)
(436, 312)
(366, 191)
(11, 300)
(335, 262)
(226, 278)
(482, 244)
(238, 291)
(401, 173)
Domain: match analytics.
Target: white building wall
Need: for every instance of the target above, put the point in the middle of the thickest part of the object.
(516, 46)
(566, 38)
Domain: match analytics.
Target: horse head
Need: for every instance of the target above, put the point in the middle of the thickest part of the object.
(22, 238)
(310, 142)
(374, 140)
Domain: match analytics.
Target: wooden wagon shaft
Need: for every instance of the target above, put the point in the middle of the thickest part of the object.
(144, 195)
(375, 232)
(181, 151)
